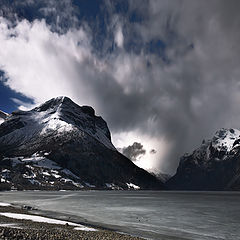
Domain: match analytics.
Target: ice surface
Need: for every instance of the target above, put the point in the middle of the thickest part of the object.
(147, 214)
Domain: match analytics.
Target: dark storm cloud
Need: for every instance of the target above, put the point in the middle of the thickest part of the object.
(153, 151)
(167, 69)
(197, 91)
(133, 151)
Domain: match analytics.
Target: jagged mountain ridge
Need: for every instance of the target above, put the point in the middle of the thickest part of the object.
(59, 115)
(74, 142)
(215, 165)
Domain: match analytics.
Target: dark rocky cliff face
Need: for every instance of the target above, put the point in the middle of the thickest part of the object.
(213, 166)
(60, 145)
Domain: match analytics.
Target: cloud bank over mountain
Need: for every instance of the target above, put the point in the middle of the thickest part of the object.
(134, 151)
(164, 74)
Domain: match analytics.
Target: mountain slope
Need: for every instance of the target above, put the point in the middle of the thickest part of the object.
(62, 145)
(215, 165)
(3, 116)
(163, 177)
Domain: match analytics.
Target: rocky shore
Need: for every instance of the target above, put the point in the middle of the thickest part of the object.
(19, 229)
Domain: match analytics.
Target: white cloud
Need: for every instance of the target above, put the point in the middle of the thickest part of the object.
(41, 64)
(24, 106)
(148, 161)
(119, 38)
(168, 107)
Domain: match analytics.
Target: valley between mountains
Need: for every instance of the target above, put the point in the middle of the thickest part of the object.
(60, 145)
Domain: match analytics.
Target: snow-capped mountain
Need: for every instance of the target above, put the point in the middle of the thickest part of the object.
(3, 116)
(215, 165)
(60, 145)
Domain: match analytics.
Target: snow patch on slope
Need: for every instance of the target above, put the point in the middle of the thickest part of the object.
(225, 138)
(40, 219)
(40, 170)
(36, 160)
(132, 186)
(113, 186)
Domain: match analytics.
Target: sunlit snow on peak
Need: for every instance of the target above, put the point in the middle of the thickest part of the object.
(225, 138)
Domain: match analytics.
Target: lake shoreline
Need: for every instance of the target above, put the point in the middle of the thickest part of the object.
(145, 214)
(12, 228)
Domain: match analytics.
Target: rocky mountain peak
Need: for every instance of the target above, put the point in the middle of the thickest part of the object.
(66, 108)
(57, 116)
(61, 145)
(224, 139)
(57, 103)
(213, 166)
(51, 104)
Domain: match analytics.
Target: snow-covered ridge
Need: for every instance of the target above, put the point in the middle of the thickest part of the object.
(59, 116)
(224, 139)
(213, 166)
(223, 142)
(63, 115)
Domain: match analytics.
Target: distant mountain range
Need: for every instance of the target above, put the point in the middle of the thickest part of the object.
(60, 145)
(215, 165)
(163, 177)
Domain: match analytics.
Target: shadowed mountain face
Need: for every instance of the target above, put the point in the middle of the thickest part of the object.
(215, 165)
(60, 145)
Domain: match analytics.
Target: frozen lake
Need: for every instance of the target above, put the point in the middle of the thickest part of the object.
(149, 214)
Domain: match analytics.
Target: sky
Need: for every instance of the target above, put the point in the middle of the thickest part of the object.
(164, 74)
